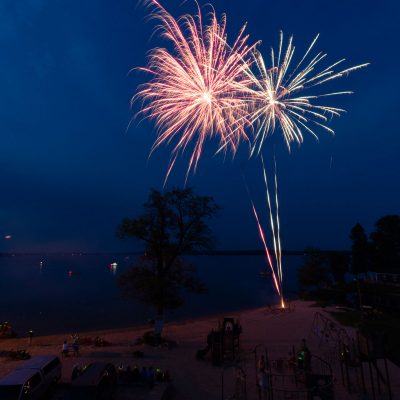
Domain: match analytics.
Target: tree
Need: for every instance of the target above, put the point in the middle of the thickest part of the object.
(313, 273)
(360, 250)
(173, 223)
(385, 242)
(338, 264)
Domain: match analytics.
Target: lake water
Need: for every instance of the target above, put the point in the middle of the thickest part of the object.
(39, 293)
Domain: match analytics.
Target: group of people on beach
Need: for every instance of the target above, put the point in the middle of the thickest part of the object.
(145, 375)
(77, 341)
(66, 347)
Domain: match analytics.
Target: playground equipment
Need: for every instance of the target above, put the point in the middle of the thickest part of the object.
(289, 381)
(285, 378)
(330, 336)
(371, 350)
(223, 342)
(302, 375)
(355, 356)
(366, 353)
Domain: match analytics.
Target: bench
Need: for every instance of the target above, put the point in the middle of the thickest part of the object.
(71, 349)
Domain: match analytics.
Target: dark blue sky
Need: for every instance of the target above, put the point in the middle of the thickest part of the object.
(69, 170)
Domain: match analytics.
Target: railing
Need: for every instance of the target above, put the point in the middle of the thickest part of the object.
(287, 381)
(388, 278)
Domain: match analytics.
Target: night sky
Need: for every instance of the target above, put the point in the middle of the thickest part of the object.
(70, 170)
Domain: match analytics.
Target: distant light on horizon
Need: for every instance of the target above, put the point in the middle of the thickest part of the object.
(7, 237)
(113, 268)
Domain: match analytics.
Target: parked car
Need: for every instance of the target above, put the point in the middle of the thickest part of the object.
(97, 382)
(50, 366)
(22, 384)
(31, 380)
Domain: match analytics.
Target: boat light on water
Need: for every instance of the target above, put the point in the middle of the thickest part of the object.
(113, 267)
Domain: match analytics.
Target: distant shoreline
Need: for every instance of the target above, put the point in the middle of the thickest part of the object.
(203, 253)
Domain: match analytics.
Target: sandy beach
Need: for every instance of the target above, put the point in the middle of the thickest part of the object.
(193, 379)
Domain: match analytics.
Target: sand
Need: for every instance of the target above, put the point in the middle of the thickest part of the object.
(199, 380)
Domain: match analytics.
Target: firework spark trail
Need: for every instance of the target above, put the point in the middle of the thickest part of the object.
(262, 236)
(196, 88)
(275, 225)
(278, 224)
(263, 239)
(277, 99)
(271, 219)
